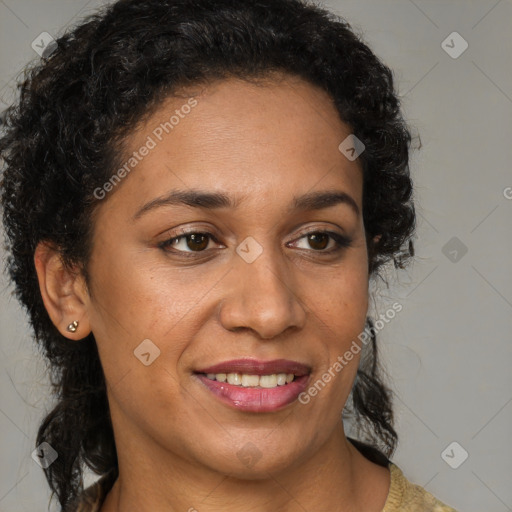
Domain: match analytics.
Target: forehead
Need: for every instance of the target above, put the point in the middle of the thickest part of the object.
(261, 140)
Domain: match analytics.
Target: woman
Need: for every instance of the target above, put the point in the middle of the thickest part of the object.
(196, 195)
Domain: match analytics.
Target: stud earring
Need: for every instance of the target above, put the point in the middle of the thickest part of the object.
(73, 326)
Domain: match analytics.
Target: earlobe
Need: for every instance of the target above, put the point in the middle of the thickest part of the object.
(62, 292)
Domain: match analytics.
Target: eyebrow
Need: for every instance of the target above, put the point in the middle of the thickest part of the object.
(214, 200)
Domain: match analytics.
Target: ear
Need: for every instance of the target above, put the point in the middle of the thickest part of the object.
(376, 239)
(63, 291)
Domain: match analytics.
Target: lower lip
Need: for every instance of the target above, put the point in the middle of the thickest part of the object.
(256, 399)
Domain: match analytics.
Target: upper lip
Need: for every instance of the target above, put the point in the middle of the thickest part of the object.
(257, 367)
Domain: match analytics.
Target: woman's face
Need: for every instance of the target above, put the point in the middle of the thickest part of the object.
(253, 286)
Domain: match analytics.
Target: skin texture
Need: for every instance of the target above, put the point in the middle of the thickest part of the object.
(177, 444)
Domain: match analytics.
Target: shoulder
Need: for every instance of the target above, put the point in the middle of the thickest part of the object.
(405, 496)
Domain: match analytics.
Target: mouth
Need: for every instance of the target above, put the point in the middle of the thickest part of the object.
(255, 386)
(246, 380)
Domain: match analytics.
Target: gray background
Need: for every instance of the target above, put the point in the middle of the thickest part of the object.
(449, 351)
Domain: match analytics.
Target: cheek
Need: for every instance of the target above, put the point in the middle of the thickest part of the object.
(137, 299)
(133, 294)
(342, 311)
(343, 300)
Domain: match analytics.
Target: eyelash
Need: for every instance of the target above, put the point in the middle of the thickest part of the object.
(342, 242)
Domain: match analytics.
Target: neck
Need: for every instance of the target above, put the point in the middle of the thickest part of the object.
(335, 477)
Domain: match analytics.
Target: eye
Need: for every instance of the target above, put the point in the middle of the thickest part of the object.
(193, 241)
(319, 241)
(197, 242)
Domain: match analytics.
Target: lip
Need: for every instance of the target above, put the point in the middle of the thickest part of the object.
(258, 367)
(255, 399)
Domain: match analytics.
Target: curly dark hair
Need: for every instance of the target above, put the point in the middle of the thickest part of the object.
(63, 137)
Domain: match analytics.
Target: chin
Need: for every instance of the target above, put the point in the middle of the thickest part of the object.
(253, 460)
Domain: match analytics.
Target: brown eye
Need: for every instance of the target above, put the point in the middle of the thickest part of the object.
(197, 242)
(188, 242)
(318, 241)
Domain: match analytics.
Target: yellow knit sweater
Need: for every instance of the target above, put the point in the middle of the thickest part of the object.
(403, 496)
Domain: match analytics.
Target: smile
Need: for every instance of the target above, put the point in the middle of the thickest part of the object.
(253, 381)
(255, 386)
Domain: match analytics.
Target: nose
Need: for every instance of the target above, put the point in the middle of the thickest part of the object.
(262, 296)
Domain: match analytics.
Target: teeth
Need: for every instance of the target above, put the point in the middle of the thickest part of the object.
(252, 381)
(235, 379)
(268, 381)
(281, 379)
